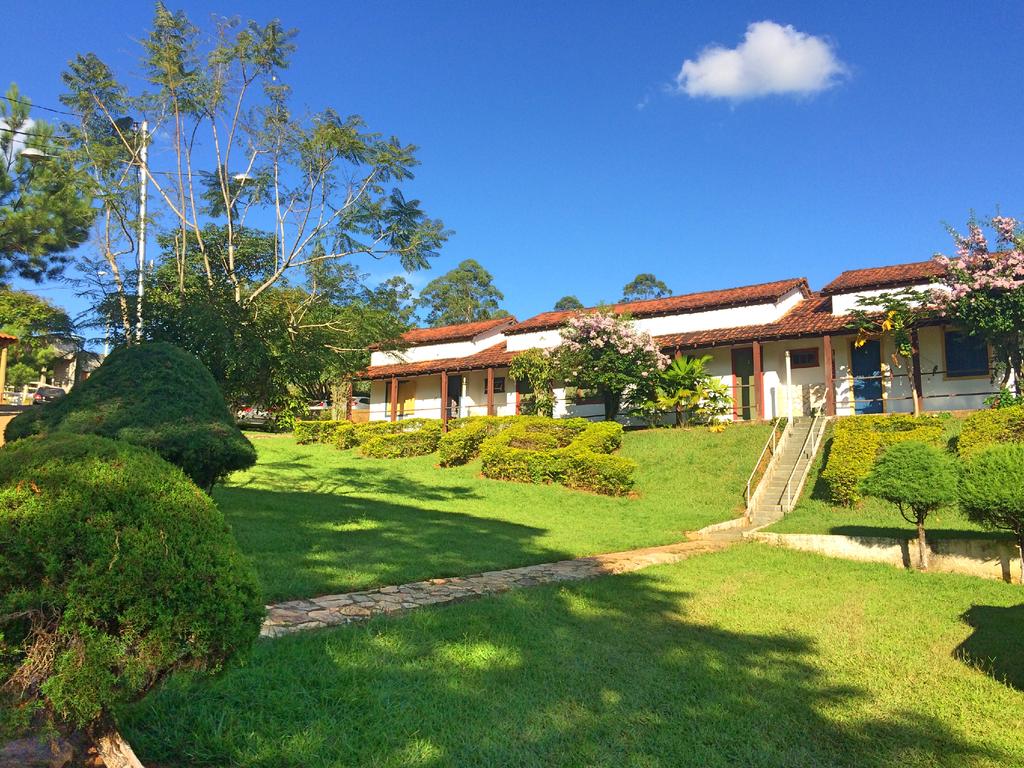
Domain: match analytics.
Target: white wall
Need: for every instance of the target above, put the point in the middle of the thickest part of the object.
(472, 400)
(443, 351)
(844, 303)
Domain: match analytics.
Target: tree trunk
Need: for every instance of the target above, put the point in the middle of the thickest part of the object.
(1020, 554)
(611, 405)
(922, 546)
(116, 752)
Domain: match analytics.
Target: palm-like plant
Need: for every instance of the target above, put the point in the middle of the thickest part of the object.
(687, 388)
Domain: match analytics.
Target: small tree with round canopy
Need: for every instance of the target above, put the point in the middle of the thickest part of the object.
(918, 479)
(992, 491)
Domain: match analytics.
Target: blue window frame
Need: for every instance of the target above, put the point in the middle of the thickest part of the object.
(965, 355)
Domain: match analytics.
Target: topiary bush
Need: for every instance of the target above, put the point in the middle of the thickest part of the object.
(986, 428)
(115, 570)
(415, 437)
(918, 479)
(991, 490)
(461, 444)
(857, 441)
(154, 395)
(573, 452)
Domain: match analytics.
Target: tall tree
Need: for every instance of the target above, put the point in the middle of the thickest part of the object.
(45, 206)
(568, 303)
(463, 295)
(44, 332)
(325, 186)
(645, 286)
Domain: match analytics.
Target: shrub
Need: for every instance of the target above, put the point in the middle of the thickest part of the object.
(114, 571)
(344, 436)
(918, 478)
(154, 395)
(985, 428)
(461, 444)
(857, 442)
(992, 490)
(573, 452)
(416, 439)
(322, 431)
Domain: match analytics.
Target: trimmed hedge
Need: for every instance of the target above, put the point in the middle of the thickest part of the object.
(401, 439)
(115, 570)
(573, 452)
(339, 433)
(461, 444)
(987, 428)
(154, 395)
(857, 442)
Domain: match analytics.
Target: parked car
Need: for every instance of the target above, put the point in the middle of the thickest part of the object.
(360, 403)
(47, 395)
(254, 416)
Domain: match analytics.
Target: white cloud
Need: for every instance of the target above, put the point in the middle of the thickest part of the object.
(772, 59)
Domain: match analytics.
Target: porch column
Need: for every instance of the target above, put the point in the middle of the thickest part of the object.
(490, 391)
(917, 388)
(444, 401)
(394, 398)
(789, 386)
(3, 371)
(830, 384)
(758, 380)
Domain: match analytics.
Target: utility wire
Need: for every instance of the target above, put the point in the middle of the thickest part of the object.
(39, 106)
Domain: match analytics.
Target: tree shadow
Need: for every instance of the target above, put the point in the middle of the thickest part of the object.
(612, 673)
(996, 646)
(819, 488)
(907, 534)
(305, 544)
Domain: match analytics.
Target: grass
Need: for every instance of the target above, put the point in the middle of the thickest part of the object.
(815, 513)
(754, 656)
(317, 520)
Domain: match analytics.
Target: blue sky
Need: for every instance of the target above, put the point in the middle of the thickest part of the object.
(557, 143)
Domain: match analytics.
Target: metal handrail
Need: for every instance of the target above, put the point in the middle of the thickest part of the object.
(774, 443)
(818, 418)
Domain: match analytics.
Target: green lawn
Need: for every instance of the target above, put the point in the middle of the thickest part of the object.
(754, 656)
(317, 520)
(814, 513)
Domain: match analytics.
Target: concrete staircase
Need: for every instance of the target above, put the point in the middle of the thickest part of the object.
(771, 500)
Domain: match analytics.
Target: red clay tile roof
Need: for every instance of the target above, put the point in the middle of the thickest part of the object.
(761, 293)
(497, 357)
(893, 276)
(811, 317)
(7, 337)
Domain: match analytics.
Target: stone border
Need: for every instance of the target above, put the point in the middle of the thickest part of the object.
(987, 558)
(334, 610)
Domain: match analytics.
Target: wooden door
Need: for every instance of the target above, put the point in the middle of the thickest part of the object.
(406, 398)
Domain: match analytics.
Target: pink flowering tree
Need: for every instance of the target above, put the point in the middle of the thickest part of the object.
(604, 353)
(983, 291)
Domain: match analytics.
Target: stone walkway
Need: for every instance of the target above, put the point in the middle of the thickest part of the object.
(333, 610)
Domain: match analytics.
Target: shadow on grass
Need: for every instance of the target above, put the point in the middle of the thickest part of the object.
(607, 673)
(305, 544)
(996, 646)
(907, 534)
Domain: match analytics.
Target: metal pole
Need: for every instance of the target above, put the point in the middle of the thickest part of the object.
(143, 187)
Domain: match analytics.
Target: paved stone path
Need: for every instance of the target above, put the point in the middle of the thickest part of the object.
(332, 610)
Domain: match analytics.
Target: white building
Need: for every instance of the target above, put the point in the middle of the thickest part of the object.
(781, 348)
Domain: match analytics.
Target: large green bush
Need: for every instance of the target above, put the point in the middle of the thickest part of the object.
(985, 428)
(115, 570)
(857, 441)
(154, 395)
(573, 452)
(992, 490)
(401, 439)
(461, 444)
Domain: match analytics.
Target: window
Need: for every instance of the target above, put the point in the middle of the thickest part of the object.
(965, 355)
(499, 385)
(804, 358)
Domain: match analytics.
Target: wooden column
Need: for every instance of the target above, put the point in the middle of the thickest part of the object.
(830, 382)
(758, 380)
(490, 391)
(444, 401)
(394, 398)
(3, 371)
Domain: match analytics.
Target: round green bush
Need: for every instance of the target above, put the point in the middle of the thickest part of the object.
(992, 488)
(914, 476)
(155, 395)
(115, 570)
